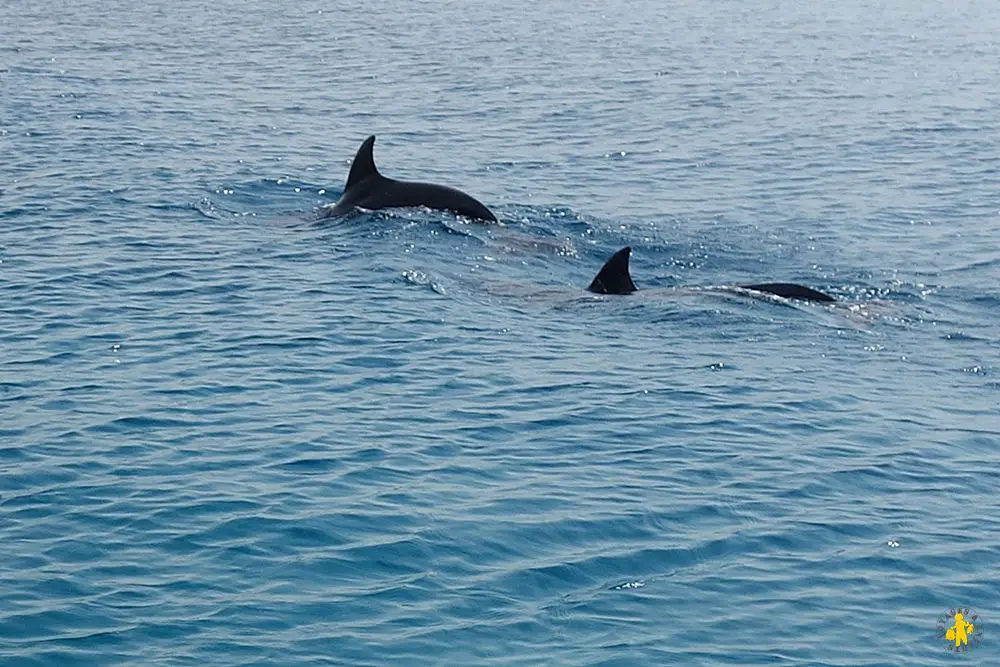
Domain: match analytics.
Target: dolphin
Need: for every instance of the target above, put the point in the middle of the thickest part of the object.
(614, 278)
(367, 188)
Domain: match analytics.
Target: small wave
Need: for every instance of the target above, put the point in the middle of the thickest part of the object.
(421, 279)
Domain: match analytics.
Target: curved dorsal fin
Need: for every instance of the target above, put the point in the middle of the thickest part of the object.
(364, 164)
(613, 278)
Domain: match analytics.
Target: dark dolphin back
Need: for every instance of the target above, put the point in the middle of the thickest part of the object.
(790, 291)
(614, 278)
(367, 188)
(407, 193)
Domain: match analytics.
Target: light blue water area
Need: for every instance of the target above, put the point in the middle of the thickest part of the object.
(234, 434)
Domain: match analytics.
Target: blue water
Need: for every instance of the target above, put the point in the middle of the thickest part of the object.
(233, 434)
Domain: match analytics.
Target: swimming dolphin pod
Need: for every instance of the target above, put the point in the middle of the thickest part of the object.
(368, 189)
(614, 278)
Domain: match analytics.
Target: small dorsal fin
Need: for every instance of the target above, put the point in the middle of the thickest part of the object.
(364, 164)
(613, 278)
(791, 291)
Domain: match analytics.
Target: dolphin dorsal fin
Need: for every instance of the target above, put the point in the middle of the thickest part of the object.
(613, 277)
(363, 166)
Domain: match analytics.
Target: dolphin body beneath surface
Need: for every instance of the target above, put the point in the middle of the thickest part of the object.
(614, 278)
(368, 189)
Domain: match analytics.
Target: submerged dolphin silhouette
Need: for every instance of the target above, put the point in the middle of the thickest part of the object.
(367, 188)
(614, 278)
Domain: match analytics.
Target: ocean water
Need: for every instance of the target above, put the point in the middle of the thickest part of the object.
(232, 433)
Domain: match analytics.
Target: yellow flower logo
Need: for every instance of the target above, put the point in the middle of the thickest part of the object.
(961, 629)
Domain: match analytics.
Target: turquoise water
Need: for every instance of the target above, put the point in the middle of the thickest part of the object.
(234, 434)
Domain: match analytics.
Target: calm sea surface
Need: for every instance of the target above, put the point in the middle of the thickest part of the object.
(232, 434)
